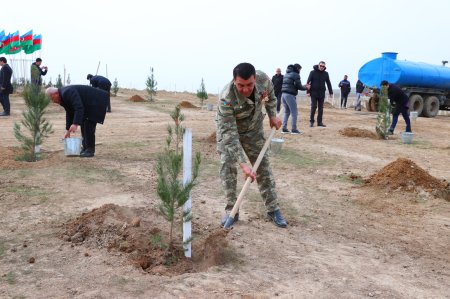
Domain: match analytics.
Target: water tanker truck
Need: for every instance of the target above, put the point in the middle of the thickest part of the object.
(427, 85)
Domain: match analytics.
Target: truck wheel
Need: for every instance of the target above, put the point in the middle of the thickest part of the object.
(373, 103)
(430, 106)
(416, 103)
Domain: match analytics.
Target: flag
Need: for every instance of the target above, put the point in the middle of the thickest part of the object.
(26, 40)
(36, 44)
(15, 39)
(14, 50)
(5, 43)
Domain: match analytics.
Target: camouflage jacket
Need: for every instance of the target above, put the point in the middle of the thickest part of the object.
(237, 114)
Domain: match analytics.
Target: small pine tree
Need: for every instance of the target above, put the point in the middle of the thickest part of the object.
(151, 85)
(115, 87)
(59, 83)
(170, 189)
(39, 128)
(68, 79)
(384, 114)
(201, 93)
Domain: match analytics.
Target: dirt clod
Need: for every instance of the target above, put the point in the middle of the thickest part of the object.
(186, 104)
(137, 98)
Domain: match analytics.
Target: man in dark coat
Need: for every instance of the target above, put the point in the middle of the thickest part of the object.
(102, 83)
(400, 101)
(6, 87)
(317, 79)
(85, 107)
(345, 87)
(277, 81)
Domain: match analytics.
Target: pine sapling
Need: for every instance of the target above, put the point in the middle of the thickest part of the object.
(33, 120)
(171, 191)
(384, 114)
(201, 93)
(151, 85)
(115, 87)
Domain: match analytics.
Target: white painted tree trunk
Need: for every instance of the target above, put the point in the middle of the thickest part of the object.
(187, 177)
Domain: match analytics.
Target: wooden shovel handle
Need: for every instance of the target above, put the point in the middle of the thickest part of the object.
(248, 181)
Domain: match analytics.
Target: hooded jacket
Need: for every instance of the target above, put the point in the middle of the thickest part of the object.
(291, 81)
(317, 79)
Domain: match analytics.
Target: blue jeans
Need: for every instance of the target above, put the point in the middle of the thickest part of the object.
(404, 112)
(4, 99)
(290, 108)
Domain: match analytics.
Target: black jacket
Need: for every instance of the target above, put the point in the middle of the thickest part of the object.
(317, 79)
(291, 81)
(277, 81)
(397, 96)
(360, 86)
(101, 82)
(83, 102)
(5, 79)
(345, 87)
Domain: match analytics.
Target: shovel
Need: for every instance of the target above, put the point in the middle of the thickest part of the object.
(230, 220)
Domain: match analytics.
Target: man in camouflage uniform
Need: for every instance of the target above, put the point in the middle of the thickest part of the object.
(240, 132)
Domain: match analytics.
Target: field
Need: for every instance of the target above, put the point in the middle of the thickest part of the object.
(365, 219)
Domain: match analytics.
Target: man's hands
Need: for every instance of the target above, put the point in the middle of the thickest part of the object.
(73, 128)
(248, 171)
(275, 122)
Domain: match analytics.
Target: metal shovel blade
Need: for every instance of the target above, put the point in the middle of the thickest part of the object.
(228, 223)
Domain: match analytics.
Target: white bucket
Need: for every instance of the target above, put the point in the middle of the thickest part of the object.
(276, 145)
(209, 107)
(407, 137)
(72, 146)
(413, 115)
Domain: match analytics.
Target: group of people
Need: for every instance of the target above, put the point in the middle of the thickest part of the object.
(239, 121)
(286, 89)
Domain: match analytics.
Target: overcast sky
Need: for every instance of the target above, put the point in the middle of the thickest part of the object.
(185, 41)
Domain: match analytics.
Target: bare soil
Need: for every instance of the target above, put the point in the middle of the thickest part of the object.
(367, 217)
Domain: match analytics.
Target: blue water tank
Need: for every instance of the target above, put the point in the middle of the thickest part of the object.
(404, 73)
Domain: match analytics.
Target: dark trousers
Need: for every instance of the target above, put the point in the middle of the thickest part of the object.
(404, 112)
(88, 134)
(278, 102)
(344, 100)
(4, 98)
(316, 102)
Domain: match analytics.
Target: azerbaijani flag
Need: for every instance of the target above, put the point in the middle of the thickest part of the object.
(37, 43)
(15, 39)
(5, 43)
(26, 40)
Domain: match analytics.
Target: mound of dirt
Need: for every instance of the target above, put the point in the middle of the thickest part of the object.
(186, 104)
(137, 98)
(406, 175)
(211, 138)
(355, 132)
(139, 233)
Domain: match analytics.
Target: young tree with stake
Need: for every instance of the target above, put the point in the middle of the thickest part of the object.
(151, 85)
(201, 93)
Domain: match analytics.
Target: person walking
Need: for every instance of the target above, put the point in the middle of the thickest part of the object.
(291, 85)
(6, 87)
(345, 87)
(400, 102)
(359, 90)
(85, 107)
(101, 82)
(37, 72)
(318, 77)
(240, 133)
(277, 81)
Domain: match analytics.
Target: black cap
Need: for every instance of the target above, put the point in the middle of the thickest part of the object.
(89, 76)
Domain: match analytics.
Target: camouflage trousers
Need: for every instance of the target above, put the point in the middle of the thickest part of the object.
(252, 143)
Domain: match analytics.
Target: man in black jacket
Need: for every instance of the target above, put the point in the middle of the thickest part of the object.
(85, 107)
(317, 79)
(6, 87)
(291, 85)
(359, 90)
(277, 81)
(400, 101)
(101, 82)
(345, 87)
